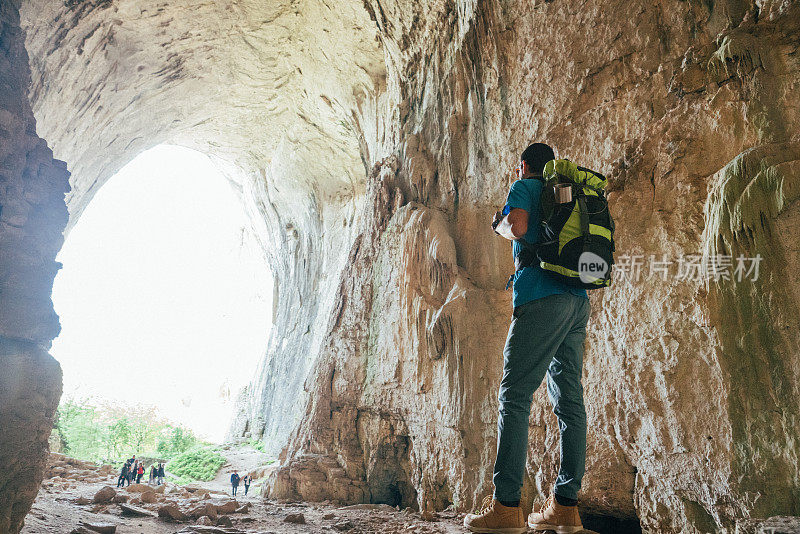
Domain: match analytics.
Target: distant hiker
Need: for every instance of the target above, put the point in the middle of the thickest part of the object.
(160, 473)
(132, 471)
(123, 475)
(153, 474)
(247, 480)
(546, 337)
(235, 482)
(139, 474)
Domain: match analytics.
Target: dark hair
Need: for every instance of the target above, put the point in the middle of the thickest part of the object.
(537, 155)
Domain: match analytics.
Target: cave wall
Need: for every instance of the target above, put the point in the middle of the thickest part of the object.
(372, 141)
(691, 384)
(32, 216)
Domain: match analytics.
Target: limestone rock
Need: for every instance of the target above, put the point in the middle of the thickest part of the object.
(343, 526)
(225, 507)
(299, 519)
(102, 528)
(171, 512)
(149, 497)
(224, 521)
(104, 495)
(200, 529)
(135, 511)
(205, 509)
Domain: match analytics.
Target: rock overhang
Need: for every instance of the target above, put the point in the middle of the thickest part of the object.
(270, 88)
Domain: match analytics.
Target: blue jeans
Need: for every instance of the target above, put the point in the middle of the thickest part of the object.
(546, 337)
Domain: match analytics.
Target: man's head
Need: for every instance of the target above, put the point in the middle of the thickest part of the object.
(534, 158)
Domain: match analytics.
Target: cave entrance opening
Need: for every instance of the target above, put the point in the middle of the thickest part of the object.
(165, 297)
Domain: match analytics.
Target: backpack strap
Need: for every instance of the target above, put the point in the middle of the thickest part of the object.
(527, 257)
(584, 219)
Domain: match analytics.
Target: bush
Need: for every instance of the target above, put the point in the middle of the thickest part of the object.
(199, 463)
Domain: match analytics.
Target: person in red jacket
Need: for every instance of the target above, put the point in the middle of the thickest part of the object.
(139, 474)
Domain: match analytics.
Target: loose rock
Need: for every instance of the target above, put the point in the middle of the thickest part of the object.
(171, 512)
(344, 525)
(299, 519)
(104, 495)
(102, 528)
(134, 511)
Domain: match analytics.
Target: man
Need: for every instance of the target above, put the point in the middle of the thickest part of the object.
(247, 480)
(160, 474)
(132, 472)
(546, 337)
(123, 476)
(234, 482)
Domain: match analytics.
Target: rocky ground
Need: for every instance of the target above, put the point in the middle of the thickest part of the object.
(80, 498)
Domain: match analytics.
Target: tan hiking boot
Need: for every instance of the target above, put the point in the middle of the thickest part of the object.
(553, 516)
(494, 518)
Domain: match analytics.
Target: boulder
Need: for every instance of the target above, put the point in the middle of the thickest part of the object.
(205, 520)
(205, 509)
(298, 519)
(149, 497)
(102, 528)
(224, 521)
(135, 511)
(118, 498)
(227, 507)
(171, 512)
(201, 529)
(104, 495)
(160, 489)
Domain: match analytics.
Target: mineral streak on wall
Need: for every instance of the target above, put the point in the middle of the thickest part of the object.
(372, 142)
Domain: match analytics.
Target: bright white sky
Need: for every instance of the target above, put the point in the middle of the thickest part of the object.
(165, 297)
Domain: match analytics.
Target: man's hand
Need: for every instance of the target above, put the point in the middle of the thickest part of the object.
(513, 226)
(498, 216)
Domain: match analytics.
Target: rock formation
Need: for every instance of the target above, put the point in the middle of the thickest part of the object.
(32, 215)
(371, 142)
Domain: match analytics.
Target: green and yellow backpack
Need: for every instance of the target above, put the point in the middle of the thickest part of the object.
(576, 238)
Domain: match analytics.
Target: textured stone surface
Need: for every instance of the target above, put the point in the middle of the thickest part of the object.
(30, 386)
(32, 215)
(371, 142)
(691, 112)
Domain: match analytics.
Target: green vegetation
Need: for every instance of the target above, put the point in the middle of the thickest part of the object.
(198, 463)
(257, 445)
(109, 433)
